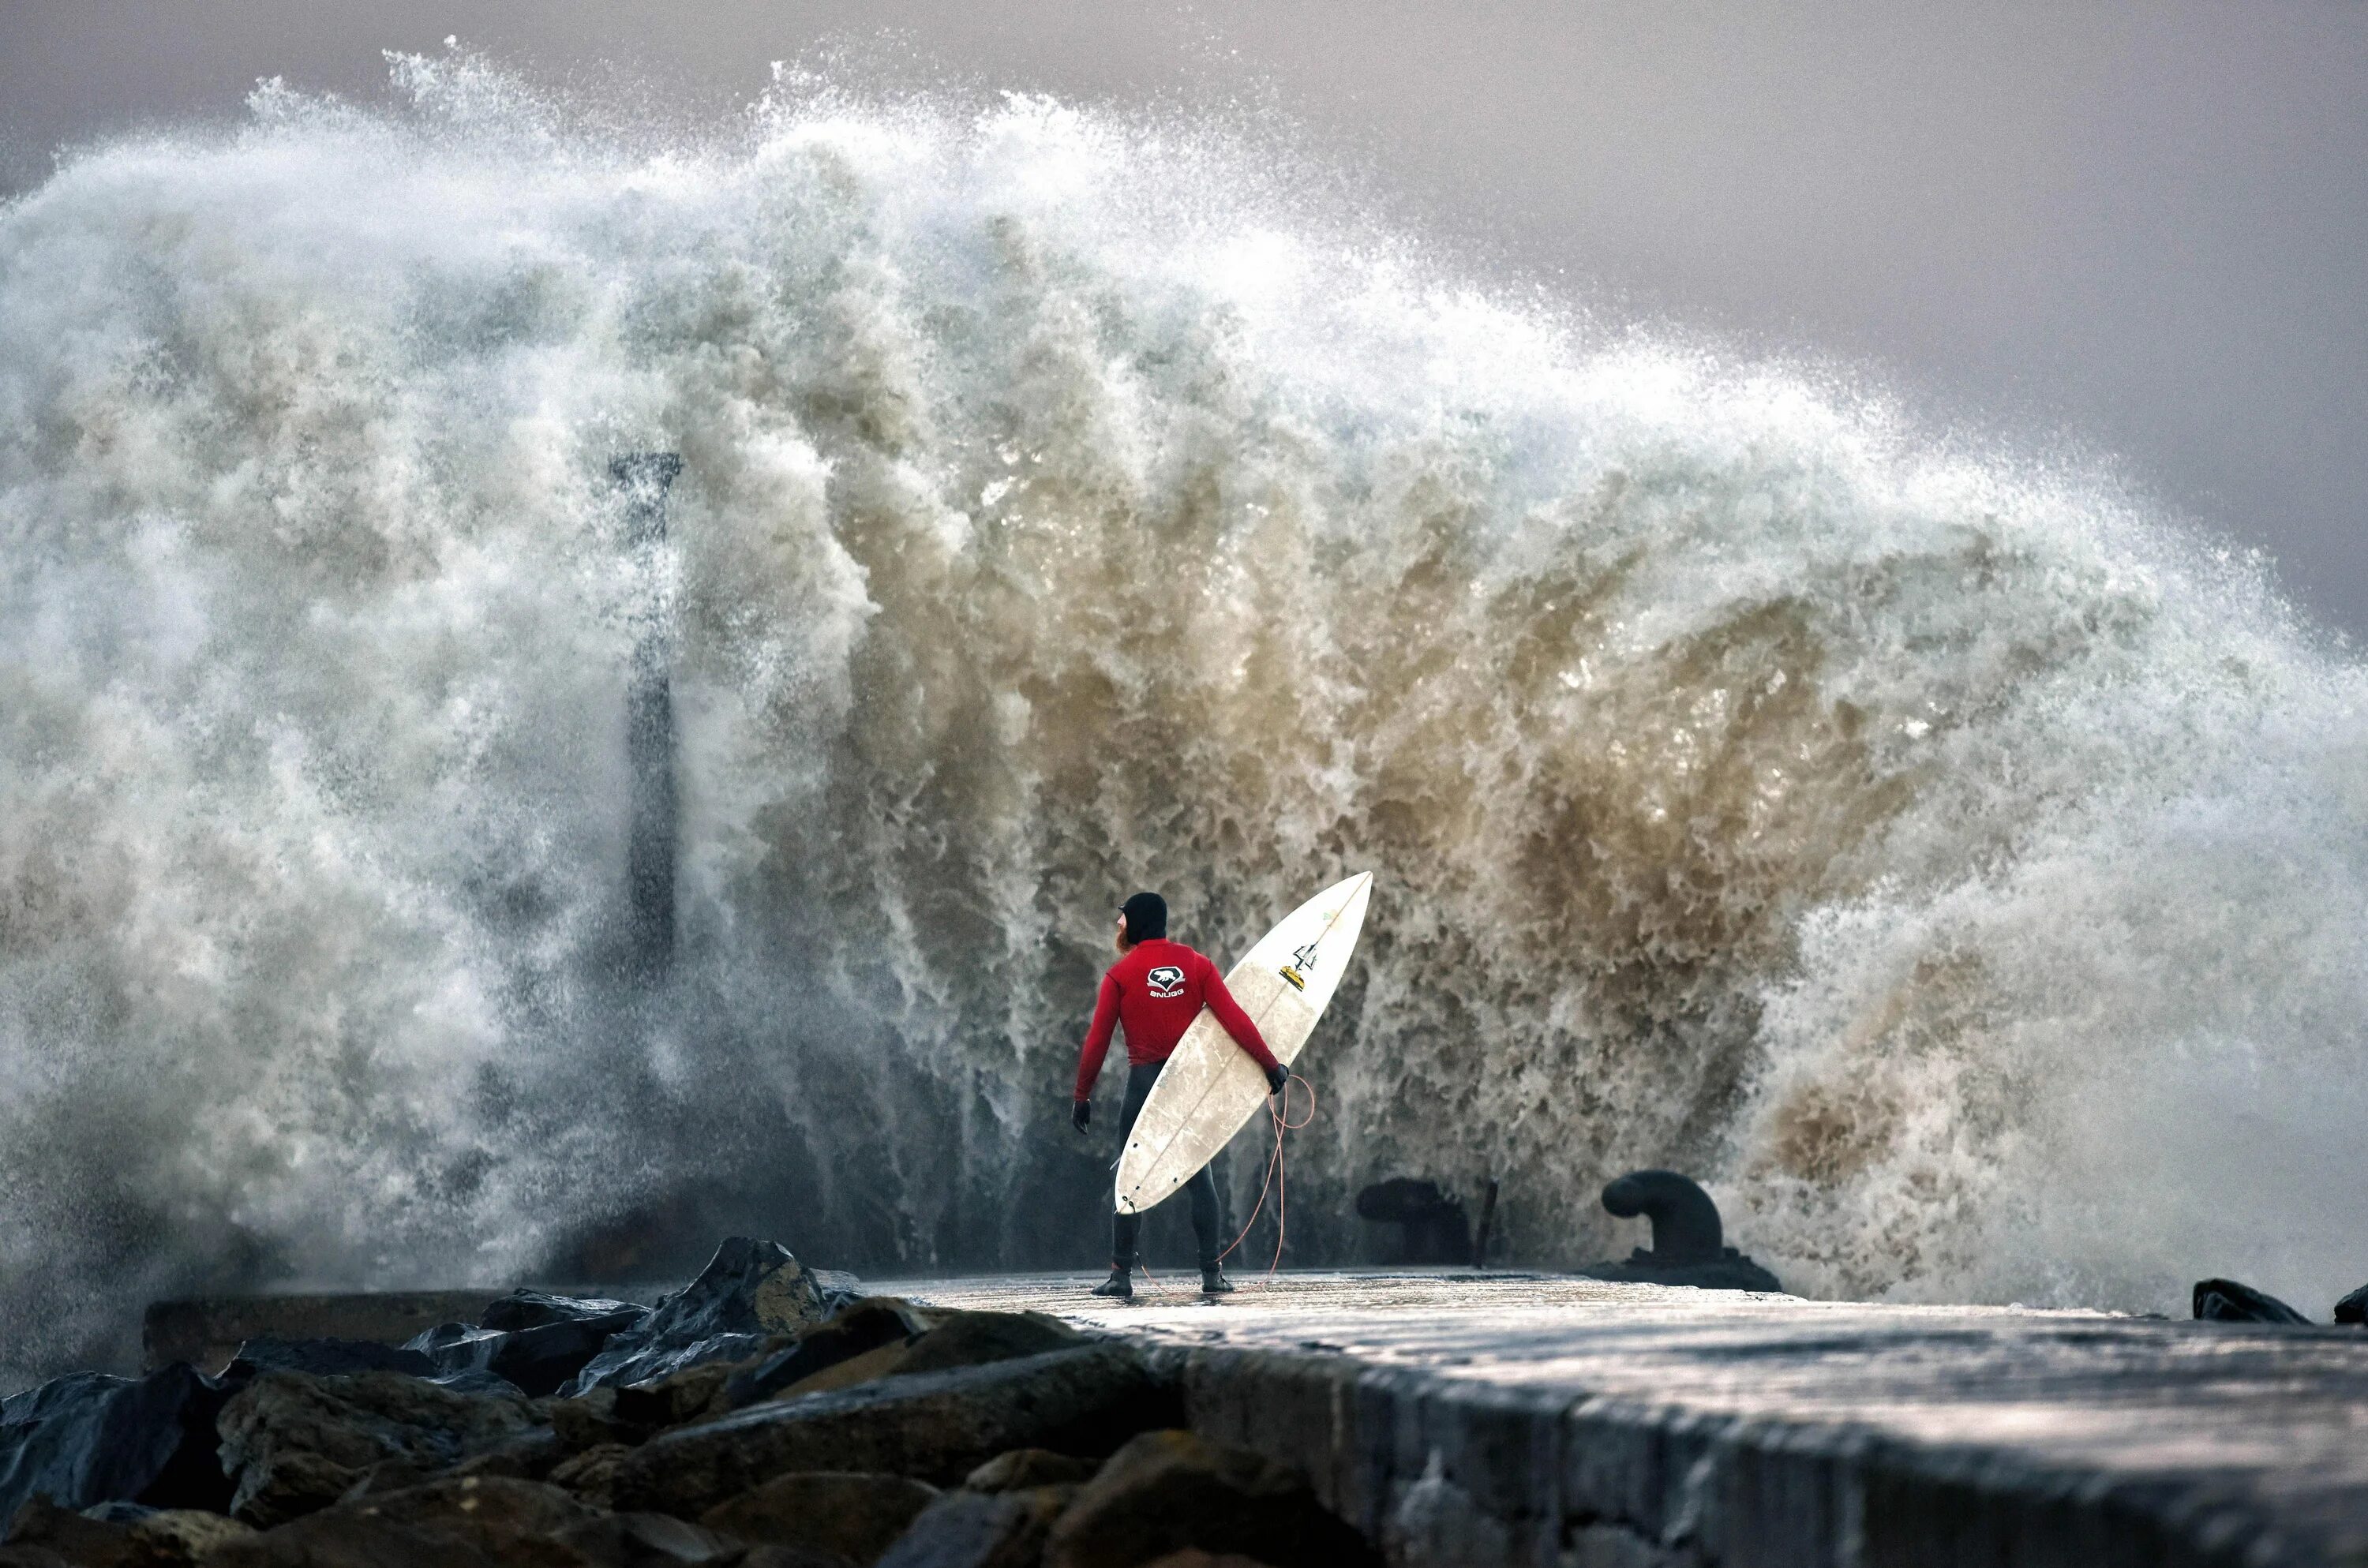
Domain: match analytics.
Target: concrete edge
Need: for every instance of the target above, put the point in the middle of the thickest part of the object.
(1450, 1474)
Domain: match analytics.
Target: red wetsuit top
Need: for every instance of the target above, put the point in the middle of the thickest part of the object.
(1156, 990)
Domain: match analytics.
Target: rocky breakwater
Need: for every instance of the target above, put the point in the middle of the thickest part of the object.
(768, 1415)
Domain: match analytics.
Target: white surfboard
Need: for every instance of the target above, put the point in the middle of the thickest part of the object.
(1210, 1085)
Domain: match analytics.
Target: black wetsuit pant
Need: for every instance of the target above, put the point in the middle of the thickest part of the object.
(1201, 1190)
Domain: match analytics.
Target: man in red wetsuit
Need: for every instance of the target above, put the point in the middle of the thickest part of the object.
(1156, 989)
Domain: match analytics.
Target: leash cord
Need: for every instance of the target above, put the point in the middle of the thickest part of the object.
(1275, 1177)
(1278, 1110)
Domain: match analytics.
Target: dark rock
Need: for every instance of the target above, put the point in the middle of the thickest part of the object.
(646, 1540)
(686, 1396)
(581, 1424)
(839, 1290)
(1689, 1243)
(121, 1533)
(937, 1426)
(1168, 1491)
(657, 1363)
(207, 1332)
(975, 1339)
(1024, 1468)
(592, 1474)
(292, 1443)
(979, 1529)
(345, 1357)
(1193, 1557)
(72, 1536)
(532, 1309)
(128, 1535)
(792, 1557)
(865, 1325)
(474, 1522)
(2226, 1300)
(173, 1537)
(541, 1360)
(848, 1512)
(2353, 1308)
(88, 1438)
(530, 1456)
(863, 1368)
(537, 1358)
(331, 1357)
(749, 1292)
(1432, 1226)
(827, 1357)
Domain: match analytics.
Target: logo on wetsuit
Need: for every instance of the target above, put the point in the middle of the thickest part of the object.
(1166, 980)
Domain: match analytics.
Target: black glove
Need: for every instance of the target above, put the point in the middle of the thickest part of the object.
(1080, 1114)
(1276, 1077)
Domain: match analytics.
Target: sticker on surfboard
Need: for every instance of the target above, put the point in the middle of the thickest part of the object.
(1210, 1086)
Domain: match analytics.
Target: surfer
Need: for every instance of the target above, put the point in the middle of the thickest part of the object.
(1156, 989)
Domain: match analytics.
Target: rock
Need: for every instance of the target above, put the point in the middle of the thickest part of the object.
(839, 1290)
(88, 1438)
(820, 1361)
(1193, 1557)
(2226, 1300)
(866, 1326)
(792, 1557)
(457, 1369)
(851, 1513)
(530, 1456)
(173, 1537)
(474, 1522)
(2353, 1308)
(592, 1474)
(658, 1363)
(863, 1368)
(540, 1356)
(979, 1529)
(1166, 1491)
(1688, 1240)
(686, 1396)
(937, 1426)
(748, 1292)
(72, 1536)
(291, 1443)
(975, 1339)
(1024, 1468)
(532, 1309)
(1432, 1226)
(331, 1357)
(541, 1360)
(647, 1540)
(584, 1423)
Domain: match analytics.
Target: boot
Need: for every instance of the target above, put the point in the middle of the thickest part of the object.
(1213, 1282)
(1120, 1283)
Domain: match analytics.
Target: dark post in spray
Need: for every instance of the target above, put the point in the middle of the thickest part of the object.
(645, 478)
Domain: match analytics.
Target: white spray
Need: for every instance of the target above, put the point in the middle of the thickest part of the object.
(1957, 866)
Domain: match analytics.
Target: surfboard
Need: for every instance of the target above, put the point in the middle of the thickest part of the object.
(1210, 1085)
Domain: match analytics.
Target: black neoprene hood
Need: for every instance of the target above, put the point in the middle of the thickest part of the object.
(1146, 917)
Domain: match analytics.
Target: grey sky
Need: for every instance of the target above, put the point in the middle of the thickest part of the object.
(2142, 226)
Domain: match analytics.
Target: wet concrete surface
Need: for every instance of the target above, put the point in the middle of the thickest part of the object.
(1496, 1416)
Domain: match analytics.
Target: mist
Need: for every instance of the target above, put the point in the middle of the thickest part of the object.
(2136, 232)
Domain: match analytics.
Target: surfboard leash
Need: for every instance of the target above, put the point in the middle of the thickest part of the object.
(1274, 1182)
(1276, 1173)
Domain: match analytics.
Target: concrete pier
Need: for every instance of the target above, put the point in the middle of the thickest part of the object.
(1565, 1423)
